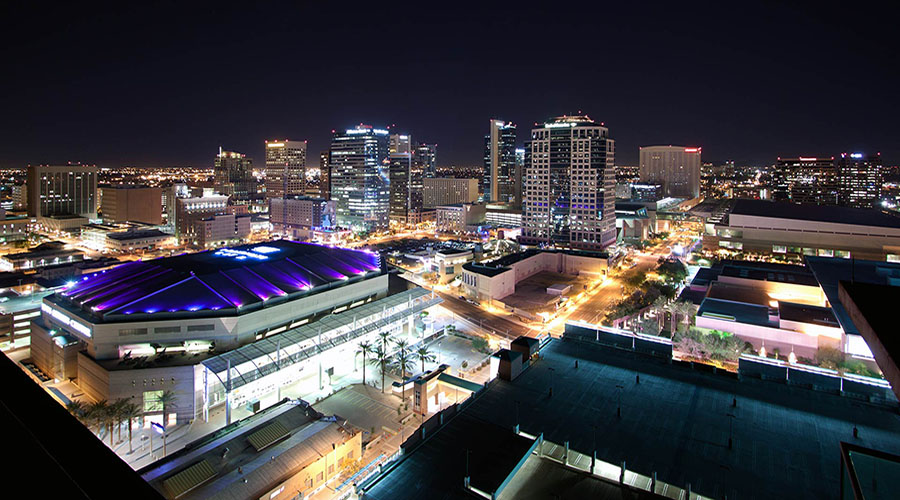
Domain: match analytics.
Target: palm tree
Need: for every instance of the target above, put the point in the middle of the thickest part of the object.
(116, 410)
(660, 306)
(365, 348)
(380, 359)
(167, 400)
(78, 410)
(99, 414)
(403, 362)
(130, 411)
(423, 355)
(684, 308)
(385, 337)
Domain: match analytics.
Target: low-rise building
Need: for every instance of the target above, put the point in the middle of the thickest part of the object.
(447, 264)
(497, 279)
(287, 451)
(46, 254)
(765, 227)
(221, 229)
(62, 224)
(297, 216)
(459, 218)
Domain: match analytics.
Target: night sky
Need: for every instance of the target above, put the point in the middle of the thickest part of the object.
(168, 84)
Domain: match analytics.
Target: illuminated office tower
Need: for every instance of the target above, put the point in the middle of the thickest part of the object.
(324, 175)
(360, 182)
(406, 175)
(233, 175)
(676, 168)
(860, 179)
(426, 158)
(517, 182)
(498, 184)
(400, 143)
(62, 190)
(570, 185)
(285, 168)
(806, 180)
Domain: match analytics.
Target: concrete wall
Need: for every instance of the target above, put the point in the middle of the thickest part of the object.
(803, 344)
(100, 383)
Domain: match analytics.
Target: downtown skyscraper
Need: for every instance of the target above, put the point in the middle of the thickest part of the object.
(407, 176)
(360, 177)
(569, 185)
(233, 175)
(860, 178)
(808, 180)
(498, 183)
(285, 168)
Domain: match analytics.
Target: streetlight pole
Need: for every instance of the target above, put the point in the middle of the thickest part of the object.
(730, 429)
(619, 389)
(551, 380)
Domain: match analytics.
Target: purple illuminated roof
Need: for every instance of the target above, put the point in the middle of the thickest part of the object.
(230, 279)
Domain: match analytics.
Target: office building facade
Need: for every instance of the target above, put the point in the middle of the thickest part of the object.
(62, 190)
(233, 175)
(190, 210)
(806, 180)
(860, 179)
(676, 168)
(360, 182)
(426, 158)
(297, 216)
(285, 168)
(406, 176)
(569, 185)
(448, 191)
(131, 203)
(498, 184)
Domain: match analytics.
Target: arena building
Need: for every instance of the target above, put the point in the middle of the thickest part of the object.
(218, 325)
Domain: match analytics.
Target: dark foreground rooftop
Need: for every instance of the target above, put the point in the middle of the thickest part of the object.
(817, 213)
(675, 422)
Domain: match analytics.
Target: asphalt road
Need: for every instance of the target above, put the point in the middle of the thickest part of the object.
(479, 317)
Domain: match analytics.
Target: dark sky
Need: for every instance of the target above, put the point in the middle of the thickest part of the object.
(141, 83)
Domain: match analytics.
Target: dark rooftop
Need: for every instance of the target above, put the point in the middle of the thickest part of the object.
(675, 422)
(435, 470)
(819, 213)
(807, 314)
(501, 265)
(742, 313)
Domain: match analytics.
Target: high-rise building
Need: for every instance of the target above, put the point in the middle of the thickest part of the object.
(806, 180)
(520, 174)
(860, 179)
(400, 143)
(285, 168)
(131, 204)
(406, 176)
(499, 163)
(360, 182)
(233, 175)
(62, 190)
(449, 191)
(676, 168)
(426, 157)
(325, 175)
(569, 185)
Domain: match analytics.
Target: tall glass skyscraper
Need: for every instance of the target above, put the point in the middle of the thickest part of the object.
(860, 179)
(498, 184)
(360, 177)
(570, 185)
(233, 175)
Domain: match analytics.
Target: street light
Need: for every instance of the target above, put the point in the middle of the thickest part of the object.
(551, 380)
(731, 417)
(619, 389)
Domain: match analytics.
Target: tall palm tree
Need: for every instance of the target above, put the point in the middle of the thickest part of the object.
(659, 305)
(365, 348)
(99, 414)
(404, 363)
(424, 355)
(166, 399)
(384, 337)
(380, 360)
(129, 412)
(116, 410)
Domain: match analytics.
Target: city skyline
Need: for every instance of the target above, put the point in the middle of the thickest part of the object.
(119, 103)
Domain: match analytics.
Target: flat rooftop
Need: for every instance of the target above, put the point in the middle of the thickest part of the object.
(305, 435)
(435, 470)
(675, 422)
(226, 281)
(816, 213)
(829, 271)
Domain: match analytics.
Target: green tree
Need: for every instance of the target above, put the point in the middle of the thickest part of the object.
(384, 338)
(99, 414)
(166, 399)
(380, 360)
(366, 349)
(650, 326)
(78, 410)
(403, 361)
(424, 355)
(129, 412)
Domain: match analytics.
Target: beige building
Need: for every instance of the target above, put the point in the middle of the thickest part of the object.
(676, 168)
(131, 203)
(459, 218)
(285, 168)
(62, 190)
(221, 229)
(447, 191)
